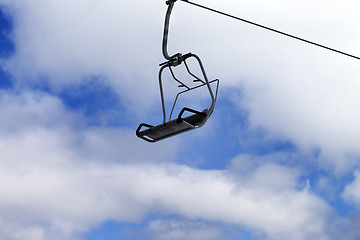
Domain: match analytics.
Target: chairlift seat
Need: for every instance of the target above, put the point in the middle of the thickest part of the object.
(173, 127)
(181, 124)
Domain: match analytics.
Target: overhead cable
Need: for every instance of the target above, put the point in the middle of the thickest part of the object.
(271, 29)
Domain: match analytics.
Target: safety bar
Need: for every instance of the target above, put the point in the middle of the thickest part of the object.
(207, 83)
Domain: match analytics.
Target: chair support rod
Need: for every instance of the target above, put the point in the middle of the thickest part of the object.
(176, 56)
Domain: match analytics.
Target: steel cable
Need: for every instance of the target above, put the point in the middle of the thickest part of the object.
(270, 29)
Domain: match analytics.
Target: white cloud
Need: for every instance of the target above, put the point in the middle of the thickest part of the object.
(45, 149)
(264, 174)
(303, 93)
(176, 230)
(65, 42)
(352, 190)
(318, 111)
(51, 182)
(294, 90)
(59, 176)
(76, 196)
(71, 195)
(20, 231)
(26, 110)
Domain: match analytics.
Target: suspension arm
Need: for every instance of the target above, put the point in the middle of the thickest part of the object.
(176, 58)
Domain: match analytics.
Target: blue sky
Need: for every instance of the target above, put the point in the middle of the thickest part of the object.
(278, 159)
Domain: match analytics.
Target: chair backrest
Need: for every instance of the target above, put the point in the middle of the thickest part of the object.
(202, 82)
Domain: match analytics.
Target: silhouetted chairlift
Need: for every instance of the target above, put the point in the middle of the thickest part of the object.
(196, 118)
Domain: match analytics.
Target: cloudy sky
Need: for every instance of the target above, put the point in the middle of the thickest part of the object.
(278, 159)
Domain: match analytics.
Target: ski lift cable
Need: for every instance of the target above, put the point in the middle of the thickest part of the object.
(270, 29)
